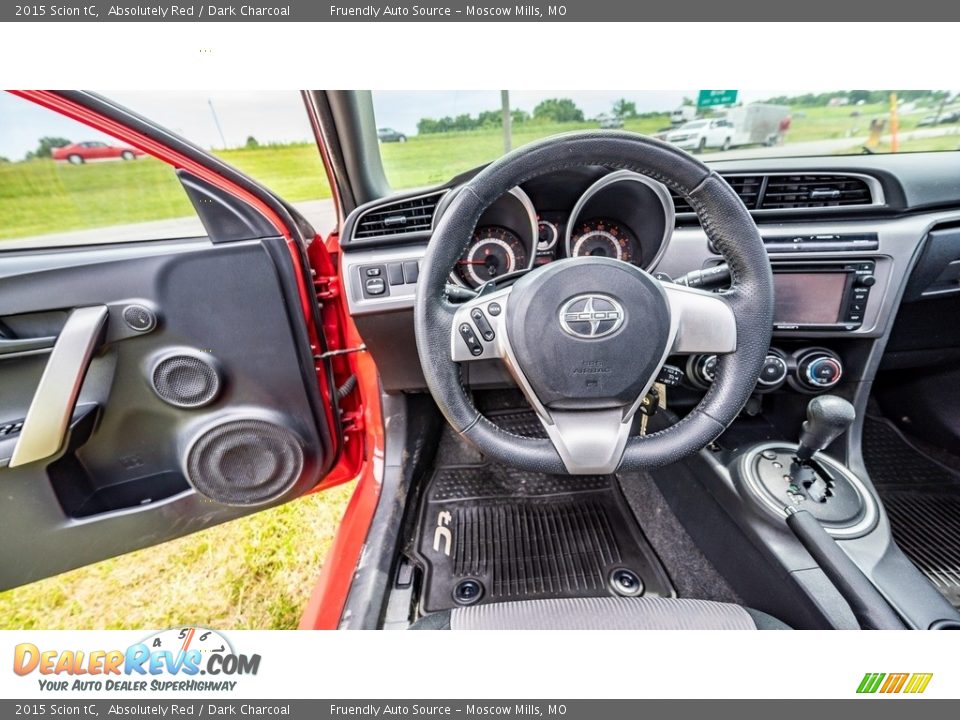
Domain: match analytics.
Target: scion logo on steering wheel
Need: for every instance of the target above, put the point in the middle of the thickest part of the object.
(591, 316)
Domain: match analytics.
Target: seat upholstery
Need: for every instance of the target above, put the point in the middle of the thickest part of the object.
(601, 613)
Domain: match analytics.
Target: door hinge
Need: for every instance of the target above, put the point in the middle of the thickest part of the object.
(352, 421)
(326, 286)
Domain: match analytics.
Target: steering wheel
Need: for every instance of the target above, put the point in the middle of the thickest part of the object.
(585, 338)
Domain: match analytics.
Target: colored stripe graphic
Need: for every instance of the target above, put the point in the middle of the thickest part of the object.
(913, 683)
(918, 682)
(894, 683)
(870, 682)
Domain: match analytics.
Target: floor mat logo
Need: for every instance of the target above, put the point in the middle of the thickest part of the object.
(904, 683)
(442, 535)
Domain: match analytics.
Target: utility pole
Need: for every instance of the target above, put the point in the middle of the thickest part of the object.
(894, 124)
(505, 109)
(216, 121)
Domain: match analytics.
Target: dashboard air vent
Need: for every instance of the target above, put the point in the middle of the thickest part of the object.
(398, 218)
(790, 192)
(746, 186)
(793, 192)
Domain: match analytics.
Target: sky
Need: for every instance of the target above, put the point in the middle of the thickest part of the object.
(279, 116)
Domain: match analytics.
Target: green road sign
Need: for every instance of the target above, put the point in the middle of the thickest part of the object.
(712, 98)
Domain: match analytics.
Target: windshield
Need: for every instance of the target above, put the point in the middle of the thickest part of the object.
(439, 134)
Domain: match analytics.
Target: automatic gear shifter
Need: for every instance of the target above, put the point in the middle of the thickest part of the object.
(798, 475)
(828, 416)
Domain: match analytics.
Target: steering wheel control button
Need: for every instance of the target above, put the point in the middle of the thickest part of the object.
(494, 309)
(626, 583)
(483, 325)
(467, 592)
(470, 338)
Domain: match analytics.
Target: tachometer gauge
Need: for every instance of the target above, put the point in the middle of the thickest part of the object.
(603, 238)
(548, 234)
(493, 252)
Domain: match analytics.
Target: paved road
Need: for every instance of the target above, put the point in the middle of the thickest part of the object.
(322, 216)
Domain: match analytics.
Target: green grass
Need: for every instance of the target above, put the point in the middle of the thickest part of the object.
(41, 196)
(253, 573)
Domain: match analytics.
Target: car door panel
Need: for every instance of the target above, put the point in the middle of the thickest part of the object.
(138, 446)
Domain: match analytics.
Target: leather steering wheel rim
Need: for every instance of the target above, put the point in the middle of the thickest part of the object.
(726, 223)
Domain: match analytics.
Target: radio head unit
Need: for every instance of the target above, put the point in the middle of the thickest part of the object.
(821, 295)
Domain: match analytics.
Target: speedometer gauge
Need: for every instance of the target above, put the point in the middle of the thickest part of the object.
(604, 238)
(492, 253)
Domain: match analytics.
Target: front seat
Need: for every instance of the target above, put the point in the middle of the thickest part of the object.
(601, 613)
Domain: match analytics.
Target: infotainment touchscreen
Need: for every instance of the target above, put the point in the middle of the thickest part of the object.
(808, 298)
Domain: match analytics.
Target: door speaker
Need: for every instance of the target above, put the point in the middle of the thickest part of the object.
(186, 381)
(245, 462)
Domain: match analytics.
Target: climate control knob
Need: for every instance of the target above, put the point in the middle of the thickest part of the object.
(819, 370)
(773, 372)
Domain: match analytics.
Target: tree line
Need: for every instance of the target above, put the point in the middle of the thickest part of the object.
(552, 110)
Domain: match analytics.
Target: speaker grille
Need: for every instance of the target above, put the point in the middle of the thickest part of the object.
(245, 462)
(186, 381)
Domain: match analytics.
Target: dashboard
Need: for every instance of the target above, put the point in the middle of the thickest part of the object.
(840, 266)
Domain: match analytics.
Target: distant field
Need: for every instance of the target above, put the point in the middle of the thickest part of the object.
(428, 159)
(830, 123)
(41, 196)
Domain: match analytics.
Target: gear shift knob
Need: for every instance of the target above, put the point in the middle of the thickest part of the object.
(827, 417)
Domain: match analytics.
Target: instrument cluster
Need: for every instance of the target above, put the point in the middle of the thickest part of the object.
(621, 215)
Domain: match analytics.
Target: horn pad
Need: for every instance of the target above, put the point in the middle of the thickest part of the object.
(588, 333)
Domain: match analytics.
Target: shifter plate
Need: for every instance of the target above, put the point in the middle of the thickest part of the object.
(775, 471)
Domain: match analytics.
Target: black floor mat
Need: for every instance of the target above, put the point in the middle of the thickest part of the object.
(922, 499)
(525, 536)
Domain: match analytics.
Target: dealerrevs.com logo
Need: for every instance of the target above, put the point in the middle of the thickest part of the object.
(894, 683)
(170, 660)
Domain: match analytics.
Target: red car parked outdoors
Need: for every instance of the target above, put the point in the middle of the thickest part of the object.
(81, 152)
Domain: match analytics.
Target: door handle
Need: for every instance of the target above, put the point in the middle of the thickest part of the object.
(15, 346)
(45, 427)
